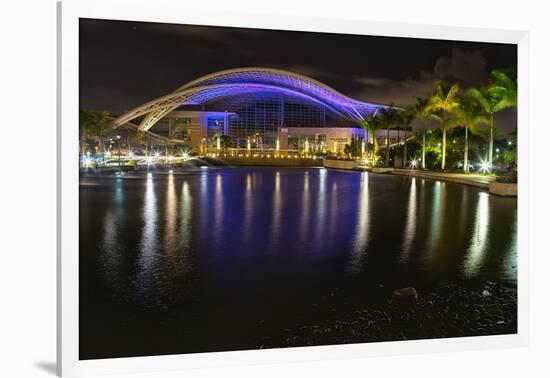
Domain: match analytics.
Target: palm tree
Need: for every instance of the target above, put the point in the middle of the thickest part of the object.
(420, 111)
(372, 126)
(225, 141)
(405, 119)
(387, 117)
(501, 93)
(441, 105)
(507, 79)
(85, 126)
(94, 124)
(470, 115)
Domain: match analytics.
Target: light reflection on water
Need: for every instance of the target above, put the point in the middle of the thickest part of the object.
(480, 237)
(149, 246)
(253, 225)
(362, 229)
(186, 215)
(248, 209)
(217, 226)
(410, 228)
(171, 213)
(437, 209)
(276, 218)
(305, 209)
(321, 205)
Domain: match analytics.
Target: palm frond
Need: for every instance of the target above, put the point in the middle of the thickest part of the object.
(481, 96)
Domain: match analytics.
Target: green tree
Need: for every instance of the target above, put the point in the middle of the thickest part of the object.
(225, 142)
(405, 119)
(420, 111)
(506, 79)
(501, 93)
(353, 149)
(442, 104)
(371, 126)
(388, 117)
(85, 128)
(469, 115)
(95, 124)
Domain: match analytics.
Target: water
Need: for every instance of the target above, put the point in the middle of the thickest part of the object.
(218, 258)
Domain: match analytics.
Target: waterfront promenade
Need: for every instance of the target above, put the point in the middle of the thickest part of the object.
(472, 179)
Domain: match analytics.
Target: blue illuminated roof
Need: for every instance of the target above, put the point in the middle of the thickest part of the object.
(234, 82)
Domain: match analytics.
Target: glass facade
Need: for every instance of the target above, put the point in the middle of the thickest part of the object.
(258, 118)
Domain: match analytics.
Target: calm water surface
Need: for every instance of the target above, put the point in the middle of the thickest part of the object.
(214, 259)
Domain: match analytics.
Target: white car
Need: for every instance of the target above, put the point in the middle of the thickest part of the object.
(146, 162)
(114, 163)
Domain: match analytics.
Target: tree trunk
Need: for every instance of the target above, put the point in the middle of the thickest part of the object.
(466, 166)
(387, 146)
(443, 147)
(405, 151)
(375, 152)
(366, 144)
(395, 161)
(490, 161)
(424, 147)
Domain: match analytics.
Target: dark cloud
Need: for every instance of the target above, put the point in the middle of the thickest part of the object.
(467, 68)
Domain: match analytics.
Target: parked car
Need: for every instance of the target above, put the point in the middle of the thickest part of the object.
(113, 163)
(88, 163)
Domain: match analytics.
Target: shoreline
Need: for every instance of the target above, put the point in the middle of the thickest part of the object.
(455, 178)
(443, 311)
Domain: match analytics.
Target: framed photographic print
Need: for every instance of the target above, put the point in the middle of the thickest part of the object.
(236, 189)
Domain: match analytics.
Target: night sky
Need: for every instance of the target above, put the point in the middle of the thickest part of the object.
(124, 64)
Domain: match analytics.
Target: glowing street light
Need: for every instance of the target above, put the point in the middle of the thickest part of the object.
(414, 163)
(485, 166)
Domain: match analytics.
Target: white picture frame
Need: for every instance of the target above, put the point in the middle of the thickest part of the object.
(68, 363)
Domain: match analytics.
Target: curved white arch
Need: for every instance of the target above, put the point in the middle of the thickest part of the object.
(218, 85)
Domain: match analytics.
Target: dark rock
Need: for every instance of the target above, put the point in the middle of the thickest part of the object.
(405, 295)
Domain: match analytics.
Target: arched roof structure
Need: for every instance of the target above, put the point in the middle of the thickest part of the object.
(234, 82)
